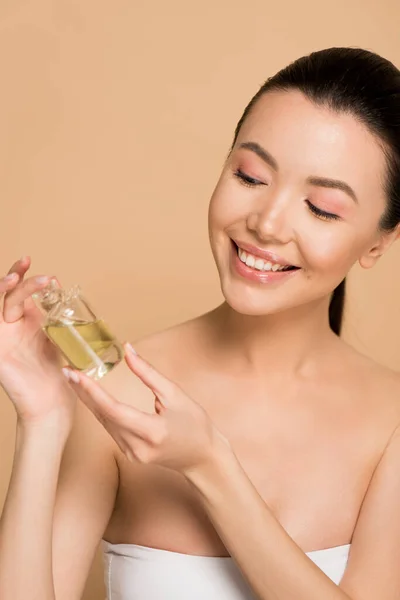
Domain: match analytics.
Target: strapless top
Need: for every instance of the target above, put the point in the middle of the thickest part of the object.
(134, 572)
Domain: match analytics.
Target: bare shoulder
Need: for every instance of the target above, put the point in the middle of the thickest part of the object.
(162, 346)
(372, 570)
(376, 385)
(167, 350)
(375, 373)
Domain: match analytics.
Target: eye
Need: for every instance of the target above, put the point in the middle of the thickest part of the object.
(321, 214)
(246, 179)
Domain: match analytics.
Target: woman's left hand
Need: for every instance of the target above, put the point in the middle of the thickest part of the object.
(179, 435)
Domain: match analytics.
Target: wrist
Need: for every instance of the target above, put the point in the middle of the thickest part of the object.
(54, 427)
(207, 476)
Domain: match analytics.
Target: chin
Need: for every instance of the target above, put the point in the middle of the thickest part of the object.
(246, 302)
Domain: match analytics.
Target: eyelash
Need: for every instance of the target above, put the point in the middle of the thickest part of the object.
(246, 180)
(321, 214)
(251, 182)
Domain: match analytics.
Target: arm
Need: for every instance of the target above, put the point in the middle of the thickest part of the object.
(26, 522)
(181, 436)
(275, 567)
(60, 498)
(64, 476)
(273, 564)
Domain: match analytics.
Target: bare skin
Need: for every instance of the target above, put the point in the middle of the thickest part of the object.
(310, 447)
(307, 416)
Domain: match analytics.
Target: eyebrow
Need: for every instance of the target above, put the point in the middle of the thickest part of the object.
(312, 180)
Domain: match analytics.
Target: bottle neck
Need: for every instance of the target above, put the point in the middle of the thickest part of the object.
(56, 302)
(48, 297)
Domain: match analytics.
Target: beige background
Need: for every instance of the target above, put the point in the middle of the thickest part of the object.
(115, 118)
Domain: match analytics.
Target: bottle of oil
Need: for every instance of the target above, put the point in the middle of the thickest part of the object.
(84, 339)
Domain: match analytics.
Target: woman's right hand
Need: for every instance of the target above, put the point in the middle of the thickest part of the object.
(30, 369)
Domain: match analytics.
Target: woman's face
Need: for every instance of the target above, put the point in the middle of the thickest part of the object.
(273, 205)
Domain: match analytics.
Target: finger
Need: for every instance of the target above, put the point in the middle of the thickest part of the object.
(13, 308)
(6, 284)
(21, 266)
(160, 385)
(107, 408)
(158, 406)
(14, 275)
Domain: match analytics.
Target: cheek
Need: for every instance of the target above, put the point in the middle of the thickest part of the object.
(332, 249)
(227, 205)
(215, 219)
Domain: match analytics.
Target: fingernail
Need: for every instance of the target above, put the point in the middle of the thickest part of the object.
(23, 258)
(65, 372)
(42, 279)
(10, 277)
(74, 376)
(131, 348)
(70, 375)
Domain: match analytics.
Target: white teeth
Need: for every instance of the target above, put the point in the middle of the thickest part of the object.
(258, 263)
(250, 260)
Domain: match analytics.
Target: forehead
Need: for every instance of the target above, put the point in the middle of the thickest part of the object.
(307, 139)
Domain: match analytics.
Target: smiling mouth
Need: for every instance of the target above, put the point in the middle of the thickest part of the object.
(259, 264)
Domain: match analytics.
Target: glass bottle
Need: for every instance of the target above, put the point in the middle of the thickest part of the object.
(83, 338)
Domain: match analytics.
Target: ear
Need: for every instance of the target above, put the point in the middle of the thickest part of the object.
(382, 244)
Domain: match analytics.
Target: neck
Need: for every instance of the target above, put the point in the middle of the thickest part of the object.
(284, 343)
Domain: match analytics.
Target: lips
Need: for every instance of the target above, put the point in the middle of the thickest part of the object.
(254, 274)
(260, 264)
(253, 255)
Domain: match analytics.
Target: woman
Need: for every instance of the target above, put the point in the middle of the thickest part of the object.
(268, 464)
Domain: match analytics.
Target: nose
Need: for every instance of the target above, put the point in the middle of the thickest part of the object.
(272, 219)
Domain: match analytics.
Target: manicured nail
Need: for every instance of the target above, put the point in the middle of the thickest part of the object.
(42, 279)
(131, 348)
(70, 375)
(10, 277)
(65, 372)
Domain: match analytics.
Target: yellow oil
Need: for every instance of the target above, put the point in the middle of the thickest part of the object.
(87, 346)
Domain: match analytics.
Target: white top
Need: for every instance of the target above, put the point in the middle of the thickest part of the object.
(135, 572)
